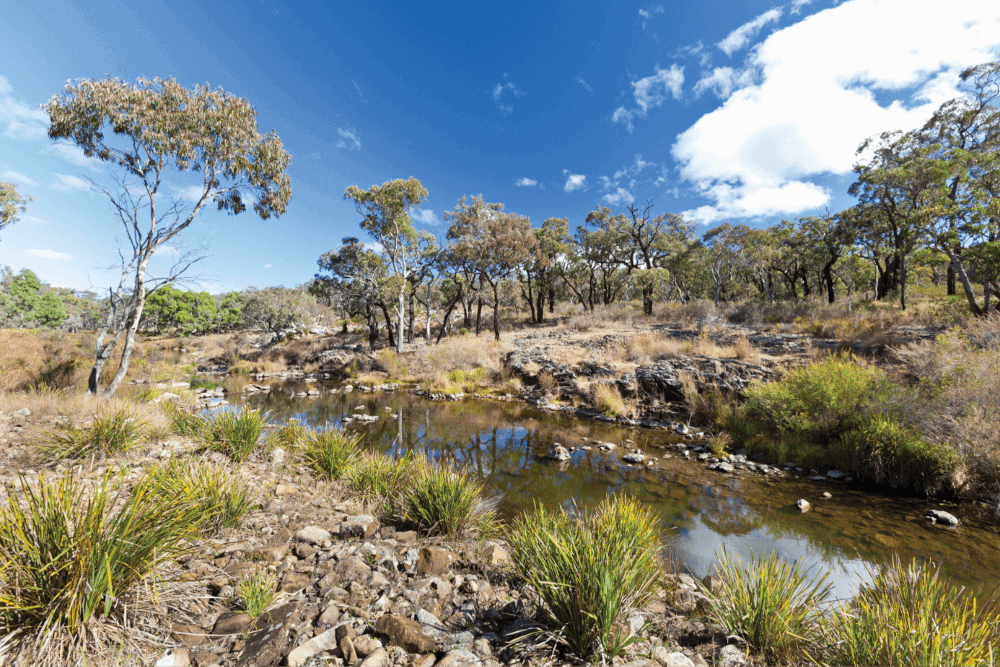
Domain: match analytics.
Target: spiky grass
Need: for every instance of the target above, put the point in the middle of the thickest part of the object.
(235, 433)
(184, 423)
(773, 604)
(290, 435)
(911, 615)
(109, 434)
(589, 572)
(256, 591)
(220, 493)
(449, 501)
(381, 482)
(73, 556)
(331, 452)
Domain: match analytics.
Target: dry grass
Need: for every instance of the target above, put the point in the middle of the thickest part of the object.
(461, 363)
(744, 350)
(608, 399)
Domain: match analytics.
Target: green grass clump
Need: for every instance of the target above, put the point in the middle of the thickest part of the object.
(771, 603)
(73, 558)
(381, 482)
(331, 452)
(184, 423)
(222, 496)
(290, 435)
(912, 615)
(234, 432)
(256, 591)
(108, 435)
(444, 500)
(590, 572)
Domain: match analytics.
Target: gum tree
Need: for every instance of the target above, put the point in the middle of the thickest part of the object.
(12, 204)
(158, 137)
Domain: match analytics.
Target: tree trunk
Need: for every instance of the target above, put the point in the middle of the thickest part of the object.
(960, 272)
(496, 312)
(388, 324)
(139, 296)
(479, 315)
(399, 327)
(831, 296)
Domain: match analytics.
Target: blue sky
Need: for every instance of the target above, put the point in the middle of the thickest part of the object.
(746, 112)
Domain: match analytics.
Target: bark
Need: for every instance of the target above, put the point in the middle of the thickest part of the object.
(963, 276)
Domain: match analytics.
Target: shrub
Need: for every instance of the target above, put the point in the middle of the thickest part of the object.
(911, 615)
(771, 603)
(448, 501)
(77, 557)
(108, 435)
(590, 572)
(331, 452)
(234, 432)
(381, 481)
(256, 591)
(222, 496)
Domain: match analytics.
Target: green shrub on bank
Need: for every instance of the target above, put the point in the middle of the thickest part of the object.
(589, 572)
(331, 452)
(234, 432)
(77, 557)
(443, 500)
(108, 435)
(381, 482)
(222, 496)
(911, 615)
(772, 604)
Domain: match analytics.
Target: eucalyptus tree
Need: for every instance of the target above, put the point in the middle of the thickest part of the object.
(359, 275)
(543, 265)
(159, 132)
(385, 211)
(12, 204)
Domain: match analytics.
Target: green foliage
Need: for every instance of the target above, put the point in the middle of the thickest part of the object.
(771, 603)
(448, 501)
(234, 432)
(108, 435)
(381, 481)
(331, 452)
(12, 204)
(256, 591)
(911, 615)
(184, 423)
(186, 312)
(290, 435)
(78, 555)
(222, 496)
(591, 571)
(28, 303)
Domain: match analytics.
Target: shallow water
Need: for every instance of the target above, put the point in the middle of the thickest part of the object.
(505, 444)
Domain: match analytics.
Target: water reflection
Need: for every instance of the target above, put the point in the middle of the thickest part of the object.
(505, 444)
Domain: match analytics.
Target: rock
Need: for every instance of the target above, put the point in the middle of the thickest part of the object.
(188, 635)
(682, 429)
(730, 656)
(634, 457)
(313, 535)
(346, 646)
(267, 645)
(404, 633)
(294, 581)
(496, 556)
(669, 658)
(827, 495)
(430, 624)
(940, 516)
(277, 456)
(836, 474)
(365, 645)
(177, 658)
(231, 624)
(606, 446)
(558, 453)
(377, 659)
(353, 569)
(23, 412)
(458, 658)
(362, 525)
(432, 560)
(326, 641)
(802, 505)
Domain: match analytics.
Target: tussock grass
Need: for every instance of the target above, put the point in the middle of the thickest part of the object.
(911, 615)
(381, 482)
(74, 558)
(234, 432)
(590, 572)
(448, 501)
(184, 423)
(331, 452)
(110, 434)
(291, 435)
(220, 493)
(608, 399)
(256, 591)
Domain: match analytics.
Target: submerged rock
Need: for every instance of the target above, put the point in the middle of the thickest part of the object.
(940, 516)
(802, 505)
(558, 453)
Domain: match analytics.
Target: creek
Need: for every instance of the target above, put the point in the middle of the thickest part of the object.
(505, 444)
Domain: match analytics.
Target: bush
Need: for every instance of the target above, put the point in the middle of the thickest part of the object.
(222, 496)
(381, 481)
(590, 572)
(770, 603)
(234, 432)
(77, 557)
(331, 452)
(110, 434)
(910, 615)
(452, 502)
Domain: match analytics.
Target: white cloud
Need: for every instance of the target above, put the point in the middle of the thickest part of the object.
(623, 116)
(426, 216)
(526, 182)
(816, 99)
(46, 253)
(268, 266)
(500, 89)
(74, 154)
(740, 37)
(348, 139)
(583, 83)
(20, 120)
(797, 5)
(360, 94)
(191, 193)
(15, 177)
(723, 81)
(574, 181)
(646, 14)
(651, 92)
(66, 183)
(620, 196)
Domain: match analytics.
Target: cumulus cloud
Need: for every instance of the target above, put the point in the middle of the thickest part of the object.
(20, 120)
(15, 177)
(723, 81)
(623, 116)
(348, 139)
(46, 253)
(66, 183)
(650, 92)
(526, 182)
(619, 196)
(740, 37)
(822, 86)
(426, 216)
(574, 181)
(74, 155)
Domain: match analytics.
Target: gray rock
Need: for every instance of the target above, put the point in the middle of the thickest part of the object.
(558, 453)
(836, 474)
(377, 659)
(432, 560)
(669, 658)
(940, 516)
(313, 535)
(730, 656)
(326, 641)
(23, 412)
(175, 658)
(366, 645)
(430, 624)
(802, 505)
(362, 525)
(267, 645)
(634, 457)
(459, 658)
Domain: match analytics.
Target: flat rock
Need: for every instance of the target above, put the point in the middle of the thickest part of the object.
(459, 657)
(377, 659)
(730, 656)
(940, 516)
(362, 525)
(266, 646)
(496, 555)
(405, 633)
(231, 624)
(634, 457)
(669, 658)
(313, 535)
(433, 560)
(836, 474)
(325, 641)
(558, 453)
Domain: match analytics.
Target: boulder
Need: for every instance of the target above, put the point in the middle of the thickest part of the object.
(940, 516)
(313, 535)
(634, 457)
(802, 505)
(377, 659)
(267, 645)
(432, 560)
(404, 633)
(325, 641)
(668, 658)
(730, 656)
(558, 453)
(836, 474)
(496, 555)
(660, 379)
(459, 658)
